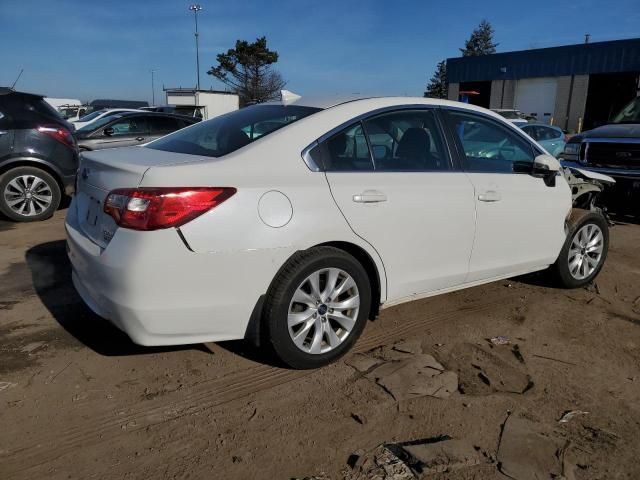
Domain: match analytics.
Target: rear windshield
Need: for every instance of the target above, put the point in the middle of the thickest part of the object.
(227, 133)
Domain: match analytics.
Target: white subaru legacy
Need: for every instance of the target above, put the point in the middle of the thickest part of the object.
(294, 222)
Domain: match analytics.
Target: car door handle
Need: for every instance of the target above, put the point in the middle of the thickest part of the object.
(3, 132)
(490, 196)
(139, 139)
(370, 196)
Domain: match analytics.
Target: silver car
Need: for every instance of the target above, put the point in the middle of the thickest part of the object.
(129, 129)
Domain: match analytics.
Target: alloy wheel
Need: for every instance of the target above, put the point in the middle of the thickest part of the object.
(28, 195)
(585, 252)
(323, 310)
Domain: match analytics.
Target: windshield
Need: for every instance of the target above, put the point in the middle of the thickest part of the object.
(99, 123)
(630, 113)
(91, 116)
(227, 133)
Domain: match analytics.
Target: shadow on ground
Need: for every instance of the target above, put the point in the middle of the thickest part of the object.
(51, 276)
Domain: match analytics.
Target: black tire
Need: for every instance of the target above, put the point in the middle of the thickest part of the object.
(280, 296)
(40, 213)
(560, 269)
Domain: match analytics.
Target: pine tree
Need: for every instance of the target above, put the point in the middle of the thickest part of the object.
(247, 69)
(480, 42)
(438, 87)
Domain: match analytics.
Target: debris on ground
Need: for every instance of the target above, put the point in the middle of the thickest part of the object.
(416, 459)
(482, 371)
(404, 371)
(416, 376)
(6, 385)
(567, 416)
(378, 464)
(362, 362)
(499, 340)
(527, 452)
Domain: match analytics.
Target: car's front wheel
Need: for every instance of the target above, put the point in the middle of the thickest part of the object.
(28, 194)
(584, 251)
(317, 307)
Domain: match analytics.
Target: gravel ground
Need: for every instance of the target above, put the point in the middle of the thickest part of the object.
(79, 400)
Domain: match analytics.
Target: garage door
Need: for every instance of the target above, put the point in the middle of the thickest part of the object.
(537, 96)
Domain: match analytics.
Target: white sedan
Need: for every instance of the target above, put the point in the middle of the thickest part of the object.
(300, 234)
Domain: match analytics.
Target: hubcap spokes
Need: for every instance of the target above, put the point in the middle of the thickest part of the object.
(323, 310)
(28, 195)
(585, 252)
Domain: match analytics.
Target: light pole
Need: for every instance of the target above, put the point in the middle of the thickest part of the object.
(195, 8)
(153, 88)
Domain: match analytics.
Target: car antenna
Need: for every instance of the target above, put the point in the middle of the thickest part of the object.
(18, 78)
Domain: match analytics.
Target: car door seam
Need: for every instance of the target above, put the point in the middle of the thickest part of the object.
(386, 281)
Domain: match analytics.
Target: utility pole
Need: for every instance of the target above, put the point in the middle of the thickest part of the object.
(195, 8)
(153, 88)
(587, 37)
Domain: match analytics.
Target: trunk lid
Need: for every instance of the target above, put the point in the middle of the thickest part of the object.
(102, 171)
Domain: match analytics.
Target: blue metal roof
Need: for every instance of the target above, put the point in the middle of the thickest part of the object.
(586, 58)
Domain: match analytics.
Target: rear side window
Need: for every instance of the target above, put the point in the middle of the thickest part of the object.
(406, 141)
(228, 133)
(160, 125)
(347, 151)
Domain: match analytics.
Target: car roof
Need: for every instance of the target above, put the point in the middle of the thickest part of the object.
(9, 90)
(338, 100)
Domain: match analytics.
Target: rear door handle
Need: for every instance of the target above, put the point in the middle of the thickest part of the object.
(139, 139)
(3, 132)
(490, 196)
(370, 196)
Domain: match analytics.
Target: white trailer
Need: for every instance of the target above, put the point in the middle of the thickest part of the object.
(205, 104)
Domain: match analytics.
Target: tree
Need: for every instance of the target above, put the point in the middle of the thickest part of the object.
(247, 70)
(438, 86)
(480, 42)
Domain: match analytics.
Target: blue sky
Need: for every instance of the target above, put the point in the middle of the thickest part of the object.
(96, 49)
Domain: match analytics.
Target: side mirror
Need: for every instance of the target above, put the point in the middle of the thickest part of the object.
(546, 167)
(108, 131)
(379, 152)
(545, 164)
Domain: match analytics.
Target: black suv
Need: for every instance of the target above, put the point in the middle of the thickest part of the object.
(38, 156)
(614, 150)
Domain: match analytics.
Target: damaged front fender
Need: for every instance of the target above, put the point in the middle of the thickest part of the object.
(586, 187)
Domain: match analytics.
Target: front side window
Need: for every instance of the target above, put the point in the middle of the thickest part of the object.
(129, 126)
(406, 141)
(489, 146)
(227, 133)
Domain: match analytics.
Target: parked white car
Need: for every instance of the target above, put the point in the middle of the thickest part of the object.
(98, 114)
(300, 234)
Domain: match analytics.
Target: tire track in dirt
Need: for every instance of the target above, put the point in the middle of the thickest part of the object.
(47, 446)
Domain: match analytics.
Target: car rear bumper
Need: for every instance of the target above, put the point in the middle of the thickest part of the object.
(151, 286)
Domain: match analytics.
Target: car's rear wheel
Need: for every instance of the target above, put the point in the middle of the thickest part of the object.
(28, 194)
(317, 307)
(584, 251)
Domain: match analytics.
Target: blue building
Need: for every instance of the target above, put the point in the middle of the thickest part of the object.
(572, 86)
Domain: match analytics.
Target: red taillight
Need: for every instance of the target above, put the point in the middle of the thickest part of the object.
(156, 208)
(60, 134)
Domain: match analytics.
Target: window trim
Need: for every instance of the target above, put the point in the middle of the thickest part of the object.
(460, 153)
(453, 162)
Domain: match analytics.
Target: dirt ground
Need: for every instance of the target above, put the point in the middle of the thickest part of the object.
(79, 400)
